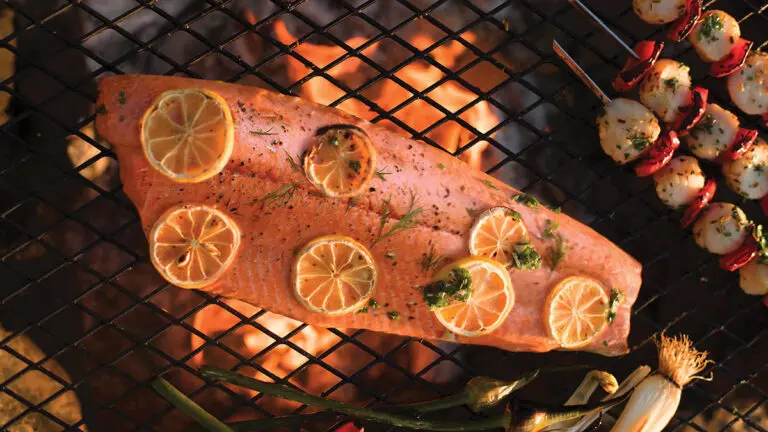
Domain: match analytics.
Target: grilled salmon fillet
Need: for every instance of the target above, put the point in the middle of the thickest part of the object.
(447, 190)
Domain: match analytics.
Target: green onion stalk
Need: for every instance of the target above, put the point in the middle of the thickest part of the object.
(479, 394)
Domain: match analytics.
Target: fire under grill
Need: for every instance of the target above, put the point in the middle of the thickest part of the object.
(87, 323)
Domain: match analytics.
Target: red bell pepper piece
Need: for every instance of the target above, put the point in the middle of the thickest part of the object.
(658, 155)
(681, 27)
(633, 69)
(764, 204)
(349, 427)
(744, 140)
(702, 200)
(765, 118)
(733, 61)
(692, 114)
(745, 253)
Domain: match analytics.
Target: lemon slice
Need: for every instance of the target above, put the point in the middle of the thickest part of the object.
(576, 311)
(193, 245)
(334, 275)
(489, 303)
(341, 162)
(496, 234)
(188, 134)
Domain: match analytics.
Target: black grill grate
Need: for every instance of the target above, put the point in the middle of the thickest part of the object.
(76, 276)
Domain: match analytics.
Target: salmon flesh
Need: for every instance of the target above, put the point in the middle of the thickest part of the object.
(270, 126)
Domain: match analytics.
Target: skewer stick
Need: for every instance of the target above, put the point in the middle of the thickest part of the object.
(568, 60)
(591, 15)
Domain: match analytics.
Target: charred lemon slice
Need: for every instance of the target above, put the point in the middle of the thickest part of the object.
(334, 275)
(483, 307)
(576, 311)
(497, 234)
(341, 162)
(188, 134)
(193, 245)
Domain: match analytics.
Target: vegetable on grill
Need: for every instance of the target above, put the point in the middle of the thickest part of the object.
(655, 400)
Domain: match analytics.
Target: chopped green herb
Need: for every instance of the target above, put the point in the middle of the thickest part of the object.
(121, 98)
(381, 174)
(762, 254)
(122, 117)
(525, 257)
(372, 305)
(671, 83)
(526, 200)
(390, 255)
(430, 261)
(759, 167)
(557, 252)
(640, 142)
(709, 28)
(456, 288)
(407, 222)
(613, 304)
(393, 315)
(101, 109)
(490, 184)
(471, 212)
(318, 194)
(551, 227)
(441, 166)
(352, 202)
(354, 165)
(334, 141)
(262, 132)
(605, 344)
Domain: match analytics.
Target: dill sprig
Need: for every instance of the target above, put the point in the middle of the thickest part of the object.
(407, 222)
(380, 173)
(430, 261)
(295, 165)
(282, 195)
(352, 202)
(262, 132)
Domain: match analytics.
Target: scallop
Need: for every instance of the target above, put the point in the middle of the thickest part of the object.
(666, 88)
(713, 133)
(626, 129)
(678, 183)
(749, 86)
(753, 277)
(748, 175)
(721, 229)
(714, 35)
(659, 12)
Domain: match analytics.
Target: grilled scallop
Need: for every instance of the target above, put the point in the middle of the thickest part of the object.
(721, 228)
(666, 88)
(659, 12)
(749, 86)
(748, 175)
(714, 35)
(714, 133)
(753, 277)
(627, 129)
(678, 183)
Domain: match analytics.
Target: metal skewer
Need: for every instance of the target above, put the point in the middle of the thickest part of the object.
(591, 15)
(567, 59)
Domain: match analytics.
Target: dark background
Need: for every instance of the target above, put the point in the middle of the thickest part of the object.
(74, 276)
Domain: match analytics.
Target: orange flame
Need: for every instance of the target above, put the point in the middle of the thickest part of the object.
(420, 75)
